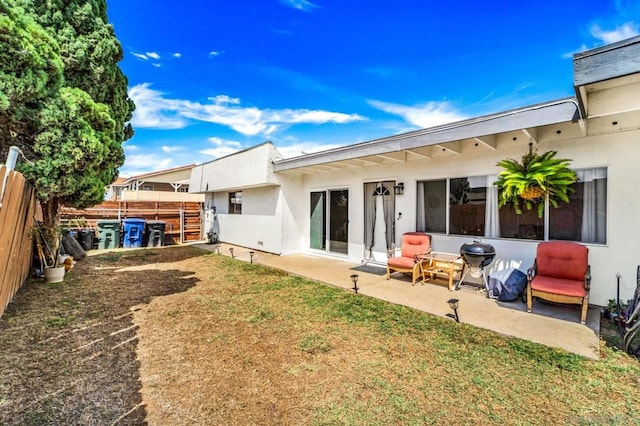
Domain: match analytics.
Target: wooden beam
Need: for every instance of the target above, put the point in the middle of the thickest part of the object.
(531, 134)
(452, 147)
(370, 162)
(488, 141)
(397, 157)
(424, 152)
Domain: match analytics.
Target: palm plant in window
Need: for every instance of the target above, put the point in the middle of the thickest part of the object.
(527, 183)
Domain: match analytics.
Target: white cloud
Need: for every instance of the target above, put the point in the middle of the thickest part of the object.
(303, 5)
(426, 115)
(621, 32)
(224, 99)
(153, 55)
(222, 147)
(153, 110)
(140, 56)
(177, 55)
(170, 149)
(215, 53)
(144, 163)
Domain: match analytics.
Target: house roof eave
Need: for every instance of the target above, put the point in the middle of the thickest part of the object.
(559, 111)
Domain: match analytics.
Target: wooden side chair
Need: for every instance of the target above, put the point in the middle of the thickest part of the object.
(560, 273)
(406, 259)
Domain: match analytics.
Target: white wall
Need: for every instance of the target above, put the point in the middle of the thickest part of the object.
(259, 225)
(617, 151)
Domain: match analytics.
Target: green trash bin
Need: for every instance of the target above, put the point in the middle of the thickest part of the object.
(108, 233)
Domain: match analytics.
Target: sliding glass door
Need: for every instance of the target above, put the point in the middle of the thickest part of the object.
(329, 221)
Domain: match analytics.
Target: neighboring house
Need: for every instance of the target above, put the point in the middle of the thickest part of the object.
(356, 201)
(161, 185)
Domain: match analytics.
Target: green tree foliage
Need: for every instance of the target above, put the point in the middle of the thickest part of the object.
(30, 72)
(77, 138)
(90, 51)
(81, 122)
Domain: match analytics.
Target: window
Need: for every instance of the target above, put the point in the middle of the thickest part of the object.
(472, 209)
(183, 189)
(235, 202)
(432, 206)
(467, 205)
(147, 187)
(584, 219)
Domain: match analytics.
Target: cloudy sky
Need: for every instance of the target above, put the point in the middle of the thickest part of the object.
(211, 77)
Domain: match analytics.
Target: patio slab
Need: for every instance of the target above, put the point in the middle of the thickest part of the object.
(551, 325)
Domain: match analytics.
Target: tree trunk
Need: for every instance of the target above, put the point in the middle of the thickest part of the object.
(51, 222)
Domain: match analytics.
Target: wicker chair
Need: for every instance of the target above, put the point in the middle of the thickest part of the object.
(406, 258)
(560, 273)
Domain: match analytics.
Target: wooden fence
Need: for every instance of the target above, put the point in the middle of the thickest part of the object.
(183, 219)
(17, 217)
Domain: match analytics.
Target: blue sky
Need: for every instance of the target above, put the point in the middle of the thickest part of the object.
(211, 77)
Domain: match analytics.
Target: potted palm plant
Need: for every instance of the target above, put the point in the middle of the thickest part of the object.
(527, 183)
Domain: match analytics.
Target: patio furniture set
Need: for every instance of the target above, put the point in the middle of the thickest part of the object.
(560, 273)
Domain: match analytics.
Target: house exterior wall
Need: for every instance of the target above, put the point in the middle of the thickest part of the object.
(260, 225)
(245, 169)
(620, 254)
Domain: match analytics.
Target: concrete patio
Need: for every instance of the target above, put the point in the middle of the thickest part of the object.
(551, 325)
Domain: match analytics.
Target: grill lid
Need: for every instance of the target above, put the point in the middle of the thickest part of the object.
(477, 248)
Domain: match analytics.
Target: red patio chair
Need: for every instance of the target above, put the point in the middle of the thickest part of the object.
(560, 273)
(406, 259)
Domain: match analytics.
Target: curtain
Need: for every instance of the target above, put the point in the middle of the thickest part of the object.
(594, 218)
(369, 217)
(492, 214)
(389, 207)
(421, 223)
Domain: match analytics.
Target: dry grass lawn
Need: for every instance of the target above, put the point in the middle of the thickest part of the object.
(180, 336)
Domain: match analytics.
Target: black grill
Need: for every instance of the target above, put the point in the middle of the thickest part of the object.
(476, 256)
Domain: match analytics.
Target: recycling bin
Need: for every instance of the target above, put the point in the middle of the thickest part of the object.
(108, 233)
(133, 229)
(155, 233)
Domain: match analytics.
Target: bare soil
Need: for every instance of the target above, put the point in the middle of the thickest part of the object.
(69, 350)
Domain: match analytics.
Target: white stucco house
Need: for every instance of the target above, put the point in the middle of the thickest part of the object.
(354, 202)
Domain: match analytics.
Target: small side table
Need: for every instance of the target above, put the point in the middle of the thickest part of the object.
(440, 264)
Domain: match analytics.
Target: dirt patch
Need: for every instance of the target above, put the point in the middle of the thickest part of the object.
(69, 349)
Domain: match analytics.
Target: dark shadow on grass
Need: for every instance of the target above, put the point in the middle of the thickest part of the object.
(69, 349)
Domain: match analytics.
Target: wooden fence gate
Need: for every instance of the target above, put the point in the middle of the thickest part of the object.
(17, 218)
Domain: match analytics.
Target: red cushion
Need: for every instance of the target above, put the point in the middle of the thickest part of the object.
(415, 243)
(562, 259)
(401, 262)
(559, 286)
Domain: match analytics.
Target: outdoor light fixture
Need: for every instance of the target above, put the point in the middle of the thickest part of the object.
(399, 189)
(453, 304)
(251, 253)
(218, 249)
(231, 250)
(354, 278)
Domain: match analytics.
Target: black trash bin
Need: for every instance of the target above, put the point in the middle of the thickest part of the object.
(155, 233)
(86, 237)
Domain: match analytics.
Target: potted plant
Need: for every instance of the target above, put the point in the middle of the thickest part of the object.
(527, 183)
(49, 242)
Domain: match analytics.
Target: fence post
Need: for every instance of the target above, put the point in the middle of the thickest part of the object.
(182, 225)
